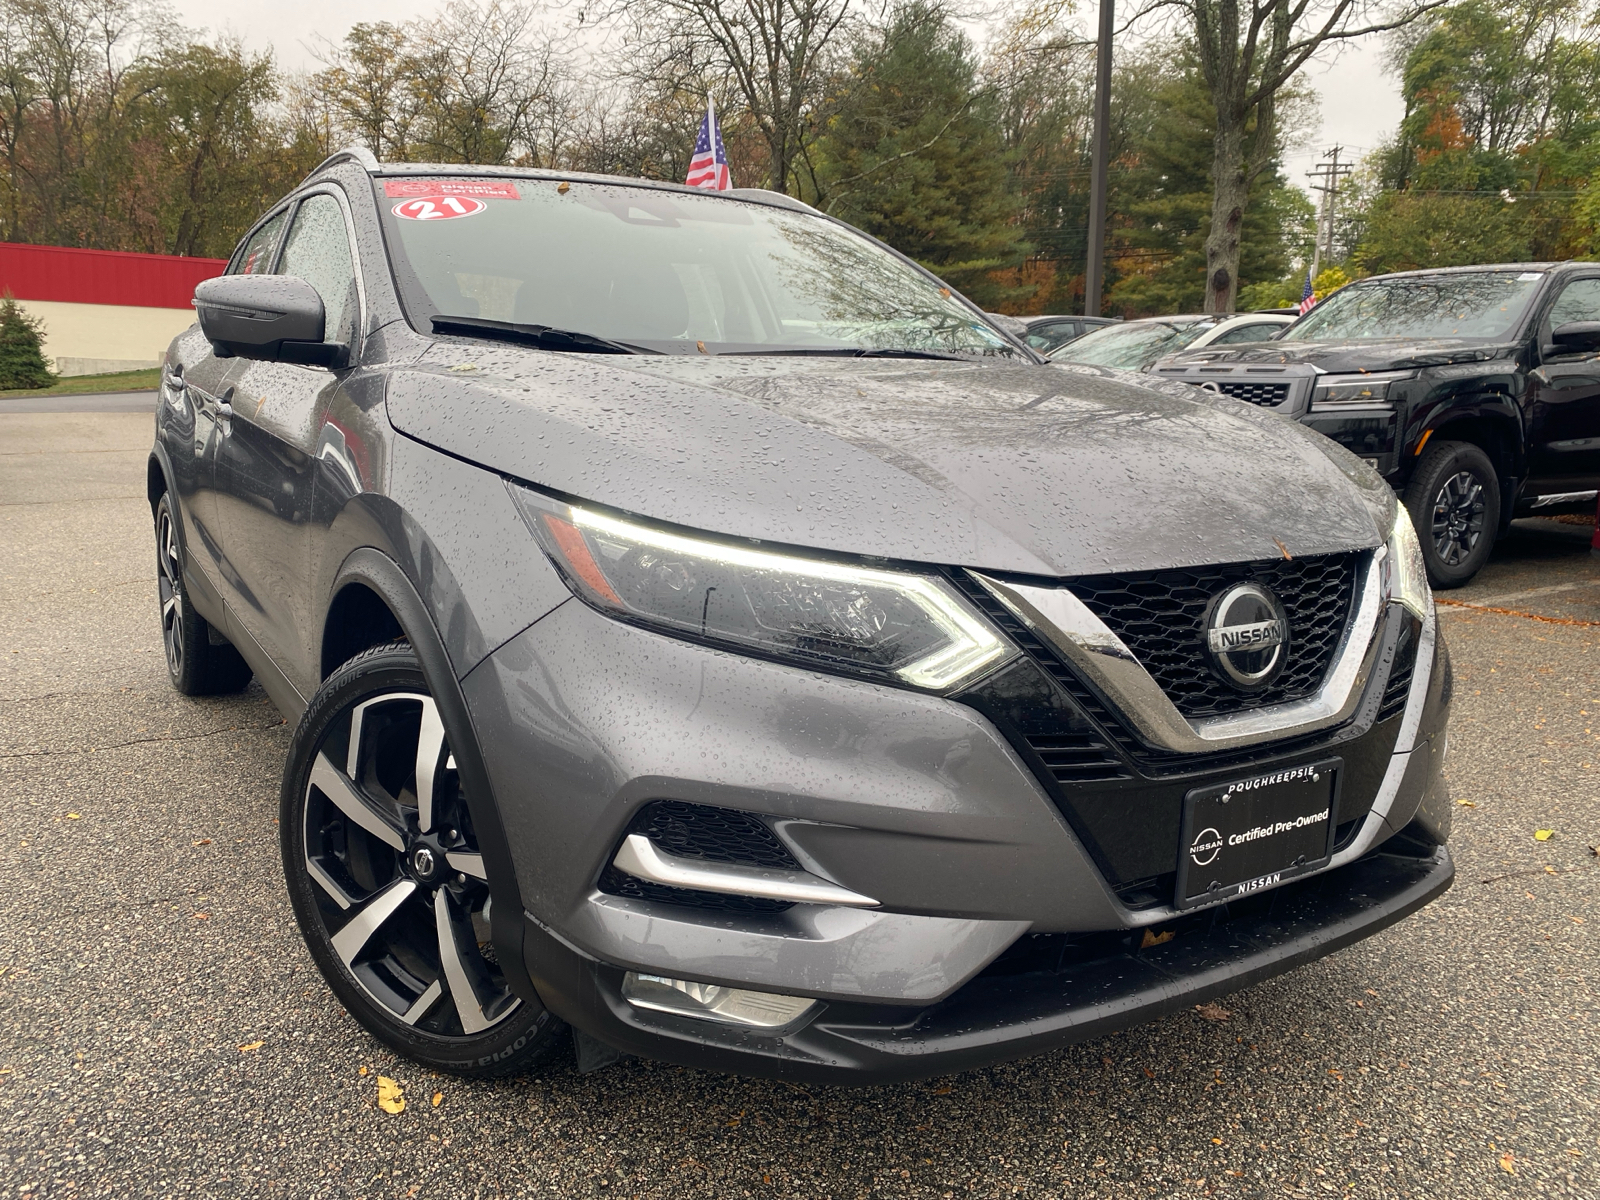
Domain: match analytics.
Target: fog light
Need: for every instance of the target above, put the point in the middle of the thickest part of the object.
(713, 1002)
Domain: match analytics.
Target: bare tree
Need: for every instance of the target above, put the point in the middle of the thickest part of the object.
(774, 54)
(477, 83)
(1248, 52)
(365, 84)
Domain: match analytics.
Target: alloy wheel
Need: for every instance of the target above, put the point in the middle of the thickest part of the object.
(401, 889)
(1458, 518)
(169, 589)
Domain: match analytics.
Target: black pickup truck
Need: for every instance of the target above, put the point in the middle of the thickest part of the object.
(1474, 391)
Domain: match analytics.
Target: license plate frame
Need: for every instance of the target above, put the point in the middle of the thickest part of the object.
(1264, 831)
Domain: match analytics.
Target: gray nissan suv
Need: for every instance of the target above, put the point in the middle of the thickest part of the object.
(708, 634)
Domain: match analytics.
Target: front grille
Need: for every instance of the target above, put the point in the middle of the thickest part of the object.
(701, 831)
(1398, 689)
(1264, 394)
(1160, 616)
(1077, 757)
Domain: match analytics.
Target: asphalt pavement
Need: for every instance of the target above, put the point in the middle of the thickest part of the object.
(164, 1033)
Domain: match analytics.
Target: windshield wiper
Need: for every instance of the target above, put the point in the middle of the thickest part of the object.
(545, 336)
(854, 352)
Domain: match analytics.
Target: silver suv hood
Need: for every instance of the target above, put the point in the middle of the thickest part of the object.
(1007, 467)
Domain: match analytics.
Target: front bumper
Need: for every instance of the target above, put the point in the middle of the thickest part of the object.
(921, 802)
(1002, 1015)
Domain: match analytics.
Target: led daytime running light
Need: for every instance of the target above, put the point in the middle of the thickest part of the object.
(972, 645)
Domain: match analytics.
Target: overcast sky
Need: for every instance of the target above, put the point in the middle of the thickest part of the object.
(1360, 103)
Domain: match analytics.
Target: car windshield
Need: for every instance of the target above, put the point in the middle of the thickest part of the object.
(1487, 305)
(663, 271)
(1133, 346)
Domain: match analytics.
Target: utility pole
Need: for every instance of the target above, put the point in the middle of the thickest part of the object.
(1095, 268)
(1327, 175)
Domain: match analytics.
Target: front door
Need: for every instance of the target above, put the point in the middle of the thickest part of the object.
(198, 392)
(1564, 416)
(266, 465)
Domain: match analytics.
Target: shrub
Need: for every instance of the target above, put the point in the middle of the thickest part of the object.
(22, 362)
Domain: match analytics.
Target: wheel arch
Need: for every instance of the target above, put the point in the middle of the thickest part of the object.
(1492, 429)
(369, 578)
(157, 476)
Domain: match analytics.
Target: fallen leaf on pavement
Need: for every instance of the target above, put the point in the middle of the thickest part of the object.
(1549, 870)
(74, 817)
(1508, 1163)
(1542, 835)
(944, 1089)
(438, 1098)
(359, 1070)
(249, 1046)
(201, 842)
(1151, 938)
(1213, 1011)
(391, 1097)
(1466, 803)
(202, 916)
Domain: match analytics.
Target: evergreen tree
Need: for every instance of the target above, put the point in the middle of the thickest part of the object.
(1164, 201)
(22, 362)
(912, 153)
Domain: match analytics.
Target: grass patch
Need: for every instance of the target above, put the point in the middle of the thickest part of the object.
(86, 385)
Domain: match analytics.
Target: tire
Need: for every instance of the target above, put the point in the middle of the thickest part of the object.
(1454, 501)
(387, 881)
(199, 662)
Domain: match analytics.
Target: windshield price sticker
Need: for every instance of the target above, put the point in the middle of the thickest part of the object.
(432, 189)
(438, 208)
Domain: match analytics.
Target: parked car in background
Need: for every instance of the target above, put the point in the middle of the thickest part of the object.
(1474, 391)
(1138, 345)
(1045, 334)
(1049, 333)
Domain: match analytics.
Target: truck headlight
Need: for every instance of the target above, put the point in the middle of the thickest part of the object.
(1356, 389)
(1405, 572)
(892, 625)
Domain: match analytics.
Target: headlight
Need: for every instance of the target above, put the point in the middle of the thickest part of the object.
(887, 624)
(1356, 389)
(1405, 573)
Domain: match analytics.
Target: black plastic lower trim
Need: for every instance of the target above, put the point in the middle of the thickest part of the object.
(1000, 1016)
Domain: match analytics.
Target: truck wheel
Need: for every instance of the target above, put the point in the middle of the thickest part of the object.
(1454, 501)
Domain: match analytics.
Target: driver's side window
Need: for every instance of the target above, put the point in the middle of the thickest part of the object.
(1579, 301)
(256, 257)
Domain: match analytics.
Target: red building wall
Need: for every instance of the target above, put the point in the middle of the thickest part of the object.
(102, 276)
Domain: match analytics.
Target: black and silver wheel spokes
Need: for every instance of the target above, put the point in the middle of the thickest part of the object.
(389, 841)
(169, 590)
(1458, 510)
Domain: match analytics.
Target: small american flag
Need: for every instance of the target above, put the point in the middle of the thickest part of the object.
(1308, 298)
(708, 167)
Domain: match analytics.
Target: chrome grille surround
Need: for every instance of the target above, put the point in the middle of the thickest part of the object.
(1061, 619)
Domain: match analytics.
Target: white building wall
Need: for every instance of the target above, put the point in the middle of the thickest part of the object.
(94, 339)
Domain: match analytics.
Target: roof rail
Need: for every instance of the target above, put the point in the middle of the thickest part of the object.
(779, 199)
(357, 154)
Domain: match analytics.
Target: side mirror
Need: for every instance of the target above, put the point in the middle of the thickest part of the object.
(1576, 337)
(272, 318)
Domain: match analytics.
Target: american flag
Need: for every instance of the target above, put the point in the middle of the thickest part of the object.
(708, 167)
(1308, 298)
